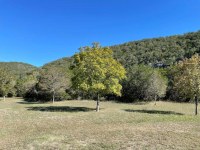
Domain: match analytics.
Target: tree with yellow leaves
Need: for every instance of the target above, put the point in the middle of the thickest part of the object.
(96, 71)
(187, 79)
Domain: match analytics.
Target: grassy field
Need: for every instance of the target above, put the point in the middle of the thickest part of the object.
(76, 125)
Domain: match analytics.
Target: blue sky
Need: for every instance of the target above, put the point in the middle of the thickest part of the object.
(40, 31)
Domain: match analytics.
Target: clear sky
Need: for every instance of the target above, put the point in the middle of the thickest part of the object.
(40, 31)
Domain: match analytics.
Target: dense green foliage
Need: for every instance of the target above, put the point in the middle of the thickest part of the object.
(7, 83)
(26, 83)
(63, 63)
(151, 51)
(17, 68)
(143, 83)
(12, 73)
(157, 52)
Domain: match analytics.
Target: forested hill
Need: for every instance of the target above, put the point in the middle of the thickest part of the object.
(63, 62)
(17, 68)
(166, 50)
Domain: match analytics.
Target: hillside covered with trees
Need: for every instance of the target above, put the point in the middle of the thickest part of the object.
(17, 68)
(150, 72)
(162, 50)
(166, 50)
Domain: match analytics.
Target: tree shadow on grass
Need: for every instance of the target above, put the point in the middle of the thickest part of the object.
(61, 109)
(154, 112)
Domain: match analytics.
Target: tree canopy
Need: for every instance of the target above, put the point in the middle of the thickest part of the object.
(53, 80)
(187, 77)
(96, 71)
(7, 83)
(166, 50)
(143, 83)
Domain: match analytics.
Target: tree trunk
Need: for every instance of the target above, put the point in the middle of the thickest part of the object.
(4, 98)
(97, 108)
(53, 96)
(196, 105)
(155, 98)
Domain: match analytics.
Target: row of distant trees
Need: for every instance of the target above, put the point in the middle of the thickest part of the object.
(48, 83)
(96, 74)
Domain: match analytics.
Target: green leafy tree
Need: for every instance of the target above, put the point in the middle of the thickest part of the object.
(187, 79)
(96, 71)
(26, 82)
(143, 83)
(7, 82)
(136, 84)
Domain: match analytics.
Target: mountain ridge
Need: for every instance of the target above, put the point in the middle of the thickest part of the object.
(166, 49)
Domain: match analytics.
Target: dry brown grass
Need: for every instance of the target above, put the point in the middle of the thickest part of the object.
(75, 125)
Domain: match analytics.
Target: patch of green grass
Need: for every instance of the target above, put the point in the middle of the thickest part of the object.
(76, 125)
